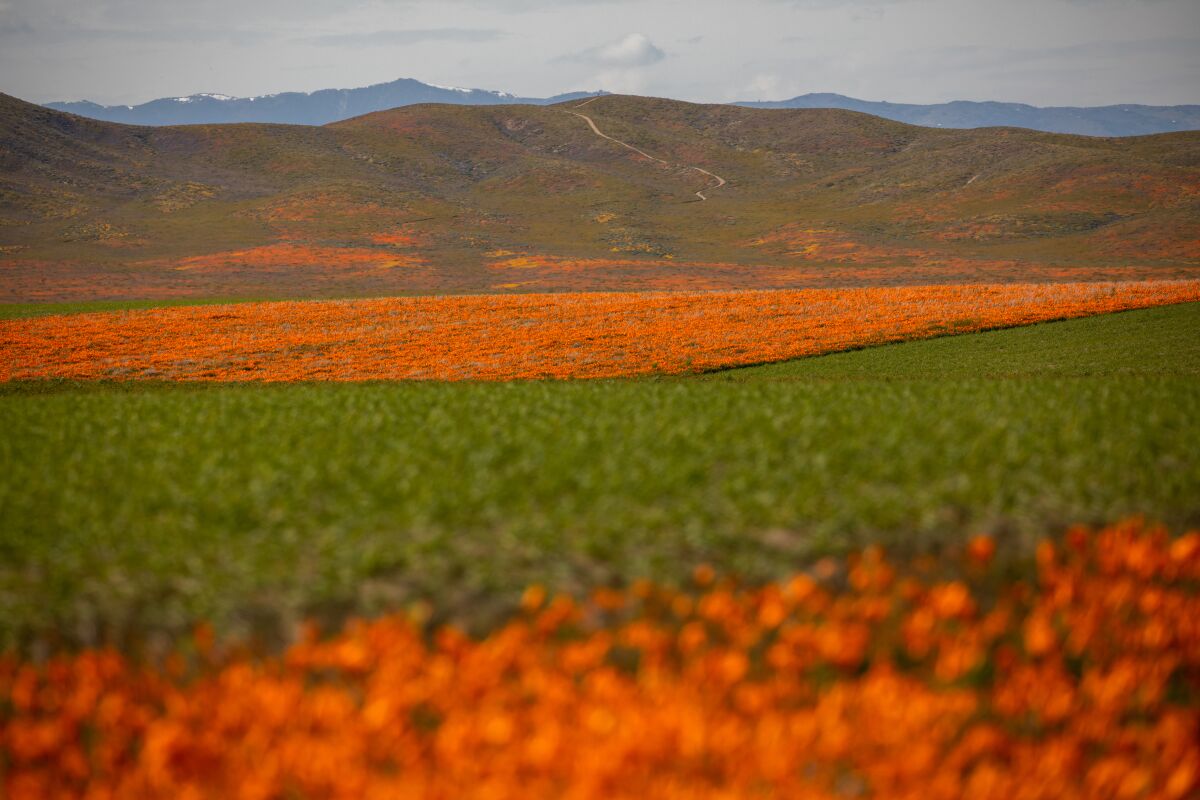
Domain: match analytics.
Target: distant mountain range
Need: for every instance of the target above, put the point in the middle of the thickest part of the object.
(1122, 120)
(299, 108)
(334, 105)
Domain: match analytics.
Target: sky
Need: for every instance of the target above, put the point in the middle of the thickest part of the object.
(1043, 52)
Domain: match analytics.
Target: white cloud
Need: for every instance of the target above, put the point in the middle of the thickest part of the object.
(633, 50)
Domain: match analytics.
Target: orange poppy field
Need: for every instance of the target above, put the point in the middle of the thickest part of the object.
(930, 679)
(533, 336)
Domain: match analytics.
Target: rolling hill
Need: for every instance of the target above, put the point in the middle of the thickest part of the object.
(459, 199)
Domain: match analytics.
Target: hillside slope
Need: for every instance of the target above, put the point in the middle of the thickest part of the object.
(439, 198)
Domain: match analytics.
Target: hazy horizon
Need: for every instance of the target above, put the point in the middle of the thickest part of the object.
(1040, 52)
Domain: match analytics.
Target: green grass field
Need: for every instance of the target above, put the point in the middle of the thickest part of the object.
(131, 511)
(1157, 341)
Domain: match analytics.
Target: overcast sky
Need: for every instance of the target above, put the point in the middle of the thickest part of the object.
(1045, 52)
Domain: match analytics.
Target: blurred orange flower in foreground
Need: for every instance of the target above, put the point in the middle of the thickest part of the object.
(1085, 683)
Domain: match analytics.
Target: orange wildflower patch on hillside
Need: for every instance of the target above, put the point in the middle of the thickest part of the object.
(531, 336)
(398, 239)
(828, 244)
(505, 260)
(1083, 683)
(1183, 246)
(504, 337)
(285, 255)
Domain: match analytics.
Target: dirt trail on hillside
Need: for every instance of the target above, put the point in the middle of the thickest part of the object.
(592, 124)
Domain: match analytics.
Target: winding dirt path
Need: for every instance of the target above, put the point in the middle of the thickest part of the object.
(592, 124)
